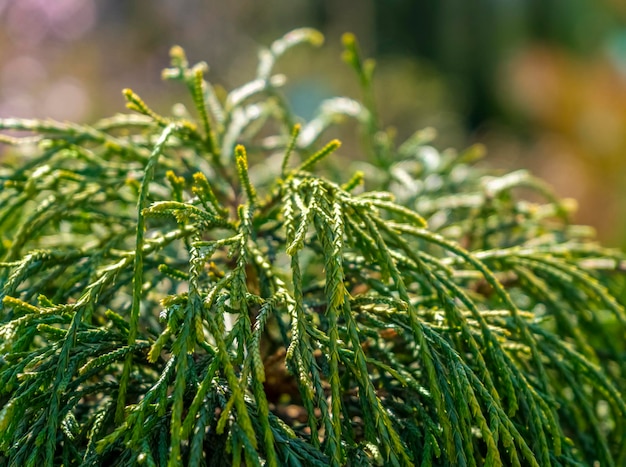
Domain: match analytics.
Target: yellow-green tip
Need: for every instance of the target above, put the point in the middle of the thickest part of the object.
(241, 160)
(317, 38)
(199, 177)
(240, 153)
(348, 39)
(178, 57)
(176, 51)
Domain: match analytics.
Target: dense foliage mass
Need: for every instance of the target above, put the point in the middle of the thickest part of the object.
(189, 291)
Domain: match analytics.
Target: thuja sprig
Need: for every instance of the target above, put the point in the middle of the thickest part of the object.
(364, 68)
(355, 181)
(319, 155)
(138, 264)
(200, 101)
(293, 139)
(241, 159)
(203, 189)
(137, 104)
(365, 71)
(177, 183)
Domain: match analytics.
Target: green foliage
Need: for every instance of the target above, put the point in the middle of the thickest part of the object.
(187, 291)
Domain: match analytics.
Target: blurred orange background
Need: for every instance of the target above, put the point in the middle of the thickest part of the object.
(542, 83)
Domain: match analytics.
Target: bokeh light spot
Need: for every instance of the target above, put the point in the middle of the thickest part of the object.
(67, 99)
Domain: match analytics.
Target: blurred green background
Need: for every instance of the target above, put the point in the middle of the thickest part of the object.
(542, 83)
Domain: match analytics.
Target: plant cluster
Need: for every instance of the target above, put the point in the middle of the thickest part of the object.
(188, 290)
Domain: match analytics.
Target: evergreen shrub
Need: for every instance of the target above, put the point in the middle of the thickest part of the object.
(212, 288)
